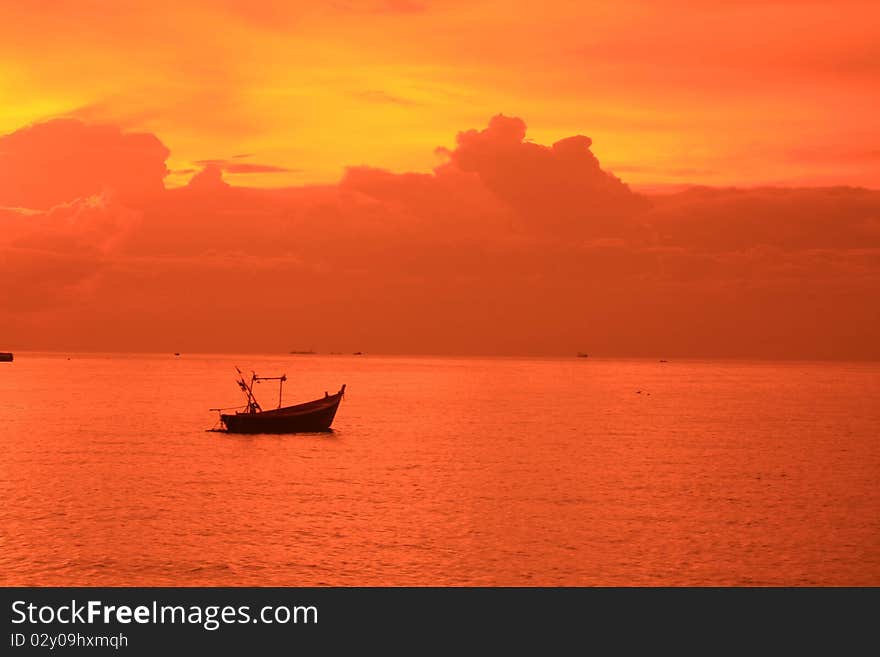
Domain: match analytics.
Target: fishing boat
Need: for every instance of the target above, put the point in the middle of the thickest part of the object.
(5, 356)
(313, 416)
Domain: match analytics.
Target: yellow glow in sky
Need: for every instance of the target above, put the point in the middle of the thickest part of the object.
(711, 92)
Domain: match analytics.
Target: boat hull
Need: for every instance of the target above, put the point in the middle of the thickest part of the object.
(311, 417)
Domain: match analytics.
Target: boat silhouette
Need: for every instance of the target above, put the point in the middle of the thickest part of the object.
(308, 417)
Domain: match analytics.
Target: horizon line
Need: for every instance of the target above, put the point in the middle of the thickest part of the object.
(522, 356)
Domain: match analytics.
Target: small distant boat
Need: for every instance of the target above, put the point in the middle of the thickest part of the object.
(177, 353)
(581, 354)
(358, 353)
(309, 351)
(5, 356)
(309, 417)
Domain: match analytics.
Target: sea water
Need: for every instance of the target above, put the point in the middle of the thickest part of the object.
(441, 471)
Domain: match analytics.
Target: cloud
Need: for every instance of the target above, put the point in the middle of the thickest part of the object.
(32, 280)
(714, 219)
(561, 187)
(507, 247)
(46, 257)
(49, 163)
(209, 179)
(229, 166)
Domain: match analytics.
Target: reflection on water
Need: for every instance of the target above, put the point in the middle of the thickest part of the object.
(441, 472)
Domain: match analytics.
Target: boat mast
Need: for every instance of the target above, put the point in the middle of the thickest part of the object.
(252, 406)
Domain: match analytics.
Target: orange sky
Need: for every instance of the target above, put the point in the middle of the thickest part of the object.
(671, 92)
(455, 177)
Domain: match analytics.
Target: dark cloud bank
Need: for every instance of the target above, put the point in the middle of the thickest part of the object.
(509, 247)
